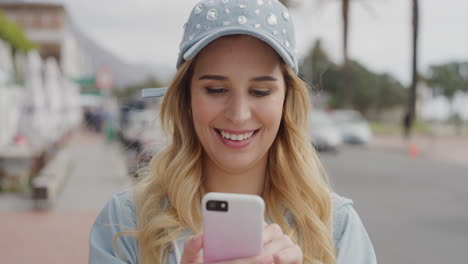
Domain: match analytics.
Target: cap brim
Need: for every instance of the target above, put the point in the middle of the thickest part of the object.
(153, 92)
(199, 45)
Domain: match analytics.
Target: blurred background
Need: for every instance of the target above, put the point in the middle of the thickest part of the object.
(389, 85)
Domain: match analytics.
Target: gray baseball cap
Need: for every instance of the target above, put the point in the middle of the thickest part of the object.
(267, 20)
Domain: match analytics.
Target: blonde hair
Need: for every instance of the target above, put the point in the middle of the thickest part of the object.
(168, 200)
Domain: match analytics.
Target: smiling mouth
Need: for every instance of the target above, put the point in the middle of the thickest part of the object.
(236, 137)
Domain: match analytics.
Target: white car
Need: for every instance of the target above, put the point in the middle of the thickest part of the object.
(354, 128)
(142, 137)
(324, 133)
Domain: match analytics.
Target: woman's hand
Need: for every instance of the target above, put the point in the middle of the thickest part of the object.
(278, 248)
(192, 247)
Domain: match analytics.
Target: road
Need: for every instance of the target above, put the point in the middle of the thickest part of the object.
(414, 209)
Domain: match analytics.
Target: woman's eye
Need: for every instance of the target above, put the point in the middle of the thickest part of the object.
(215, 90)
(260, 93)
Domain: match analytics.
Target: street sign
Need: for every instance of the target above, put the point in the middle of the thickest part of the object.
(86, 81)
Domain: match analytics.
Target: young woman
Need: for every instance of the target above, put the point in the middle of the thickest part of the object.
(237, 116)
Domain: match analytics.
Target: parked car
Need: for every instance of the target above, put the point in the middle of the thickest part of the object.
(142, 137)
(354, 128)
(324, 133)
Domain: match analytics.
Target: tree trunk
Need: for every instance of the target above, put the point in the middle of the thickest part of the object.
(345, 80)
(411, 110)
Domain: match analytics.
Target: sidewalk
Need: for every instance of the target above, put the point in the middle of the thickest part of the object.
(451, 149)
(98, 171)
(60, 234)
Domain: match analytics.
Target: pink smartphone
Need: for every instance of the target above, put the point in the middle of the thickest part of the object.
(232, 226)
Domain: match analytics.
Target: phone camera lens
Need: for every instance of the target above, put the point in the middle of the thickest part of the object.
(214, 205)
(211, 205)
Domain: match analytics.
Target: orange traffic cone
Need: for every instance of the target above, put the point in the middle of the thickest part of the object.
(413, 150)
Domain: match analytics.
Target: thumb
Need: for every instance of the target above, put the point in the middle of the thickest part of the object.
(192, 247)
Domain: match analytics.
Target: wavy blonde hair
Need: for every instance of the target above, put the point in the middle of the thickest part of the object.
(168, 200)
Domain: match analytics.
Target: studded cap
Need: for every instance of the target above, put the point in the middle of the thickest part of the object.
(267, 20)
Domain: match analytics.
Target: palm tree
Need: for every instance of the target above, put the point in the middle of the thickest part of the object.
(346, 92)
(411, 109)
(346, 89)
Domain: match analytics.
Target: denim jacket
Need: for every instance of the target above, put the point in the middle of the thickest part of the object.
(352, 243)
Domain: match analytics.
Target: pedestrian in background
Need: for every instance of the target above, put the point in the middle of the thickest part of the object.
(237, 115)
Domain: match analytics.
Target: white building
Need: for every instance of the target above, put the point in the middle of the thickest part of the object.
(48, 25)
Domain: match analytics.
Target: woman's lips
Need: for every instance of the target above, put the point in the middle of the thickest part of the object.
(236, 144)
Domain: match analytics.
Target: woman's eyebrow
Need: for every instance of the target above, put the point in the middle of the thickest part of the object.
(264, 78)
(213, 77)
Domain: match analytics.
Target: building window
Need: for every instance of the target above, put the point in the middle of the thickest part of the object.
(56, 21)
(47, 20)
(19, 20)
(36, 20)
(27, 20)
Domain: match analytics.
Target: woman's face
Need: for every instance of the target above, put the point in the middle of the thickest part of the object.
(237, 95)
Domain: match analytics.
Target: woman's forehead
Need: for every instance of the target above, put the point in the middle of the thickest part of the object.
(237, 51)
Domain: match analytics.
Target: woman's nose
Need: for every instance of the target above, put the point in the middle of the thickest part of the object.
(238, 109)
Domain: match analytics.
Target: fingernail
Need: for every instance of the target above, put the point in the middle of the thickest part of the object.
(194, 238)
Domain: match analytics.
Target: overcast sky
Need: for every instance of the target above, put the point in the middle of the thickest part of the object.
(149, 31)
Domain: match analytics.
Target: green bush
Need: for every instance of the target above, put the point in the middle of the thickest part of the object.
(379, 128)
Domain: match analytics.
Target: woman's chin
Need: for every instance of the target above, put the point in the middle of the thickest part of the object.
(235, 164)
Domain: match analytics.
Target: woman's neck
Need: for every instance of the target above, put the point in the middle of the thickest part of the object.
(248, 181)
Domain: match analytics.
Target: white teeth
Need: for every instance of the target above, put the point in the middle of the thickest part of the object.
(236, 137)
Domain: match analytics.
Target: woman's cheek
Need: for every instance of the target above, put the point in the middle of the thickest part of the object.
(271, 113)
